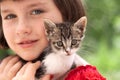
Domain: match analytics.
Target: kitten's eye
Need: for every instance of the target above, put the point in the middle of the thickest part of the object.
(10, 16)
(60, 44)
(36, 12)
(74, 42)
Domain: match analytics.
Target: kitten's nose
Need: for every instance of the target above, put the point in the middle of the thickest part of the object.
(68, 51)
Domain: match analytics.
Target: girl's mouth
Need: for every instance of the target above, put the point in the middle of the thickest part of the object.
(27, 43)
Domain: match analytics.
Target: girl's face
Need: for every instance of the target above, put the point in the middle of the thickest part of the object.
(23, 25)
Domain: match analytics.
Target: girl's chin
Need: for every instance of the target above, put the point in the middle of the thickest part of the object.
(29, 58)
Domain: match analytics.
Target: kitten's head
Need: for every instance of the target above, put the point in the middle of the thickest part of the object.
(65, 38)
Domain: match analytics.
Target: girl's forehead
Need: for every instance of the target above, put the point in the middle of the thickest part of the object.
(10, 0)
(17, 0)
(40, 1)
(22, 2)
(25, 4)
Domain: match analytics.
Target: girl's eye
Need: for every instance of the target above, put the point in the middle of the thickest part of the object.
(36, 12)
(10, 16)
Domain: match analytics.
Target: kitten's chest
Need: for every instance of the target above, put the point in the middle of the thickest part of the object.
(58, 64)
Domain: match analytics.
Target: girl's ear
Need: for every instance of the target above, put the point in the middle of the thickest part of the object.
(81, 24)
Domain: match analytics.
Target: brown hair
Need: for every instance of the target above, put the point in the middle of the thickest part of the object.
(71, 10)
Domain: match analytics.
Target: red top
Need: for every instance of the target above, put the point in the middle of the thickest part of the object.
(87, 72)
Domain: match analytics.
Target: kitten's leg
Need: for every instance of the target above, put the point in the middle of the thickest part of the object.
(79, 61)
(40, 72)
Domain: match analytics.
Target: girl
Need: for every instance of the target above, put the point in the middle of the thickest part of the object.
(22, 30)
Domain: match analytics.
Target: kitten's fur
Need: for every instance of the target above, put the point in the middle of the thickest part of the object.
(64, 40)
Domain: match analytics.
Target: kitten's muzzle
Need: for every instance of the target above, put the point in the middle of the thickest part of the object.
(68, 53)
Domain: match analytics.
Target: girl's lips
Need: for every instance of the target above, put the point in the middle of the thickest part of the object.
(27, 44)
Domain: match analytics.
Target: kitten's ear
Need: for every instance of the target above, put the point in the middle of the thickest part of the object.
(49, 24)
(50, 27)
(81, 23)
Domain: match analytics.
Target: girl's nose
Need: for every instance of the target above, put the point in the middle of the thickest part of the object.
(23, 28)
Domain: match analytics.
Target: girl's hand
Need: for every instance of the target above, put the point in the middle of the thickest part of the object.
(27, 72)
(9, 67)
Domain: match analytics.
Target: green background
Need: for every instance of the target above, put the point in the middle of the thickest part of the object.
(101, 46)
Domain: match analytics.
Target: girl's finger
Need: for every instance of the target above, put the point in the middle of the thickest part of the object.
(22, 70)
(11, 63)
(4, 63)
(13, 71)
(31, 69)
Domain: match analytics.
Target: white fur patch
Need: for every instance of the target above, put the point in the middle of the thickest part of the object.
(80, 61)
(58, 64)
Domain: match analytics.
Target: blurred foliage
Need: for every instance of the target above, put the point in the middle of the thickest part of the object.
(102, 42)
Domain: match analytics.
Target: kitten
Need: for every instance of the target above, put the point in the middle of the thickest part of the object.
(64, 40)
